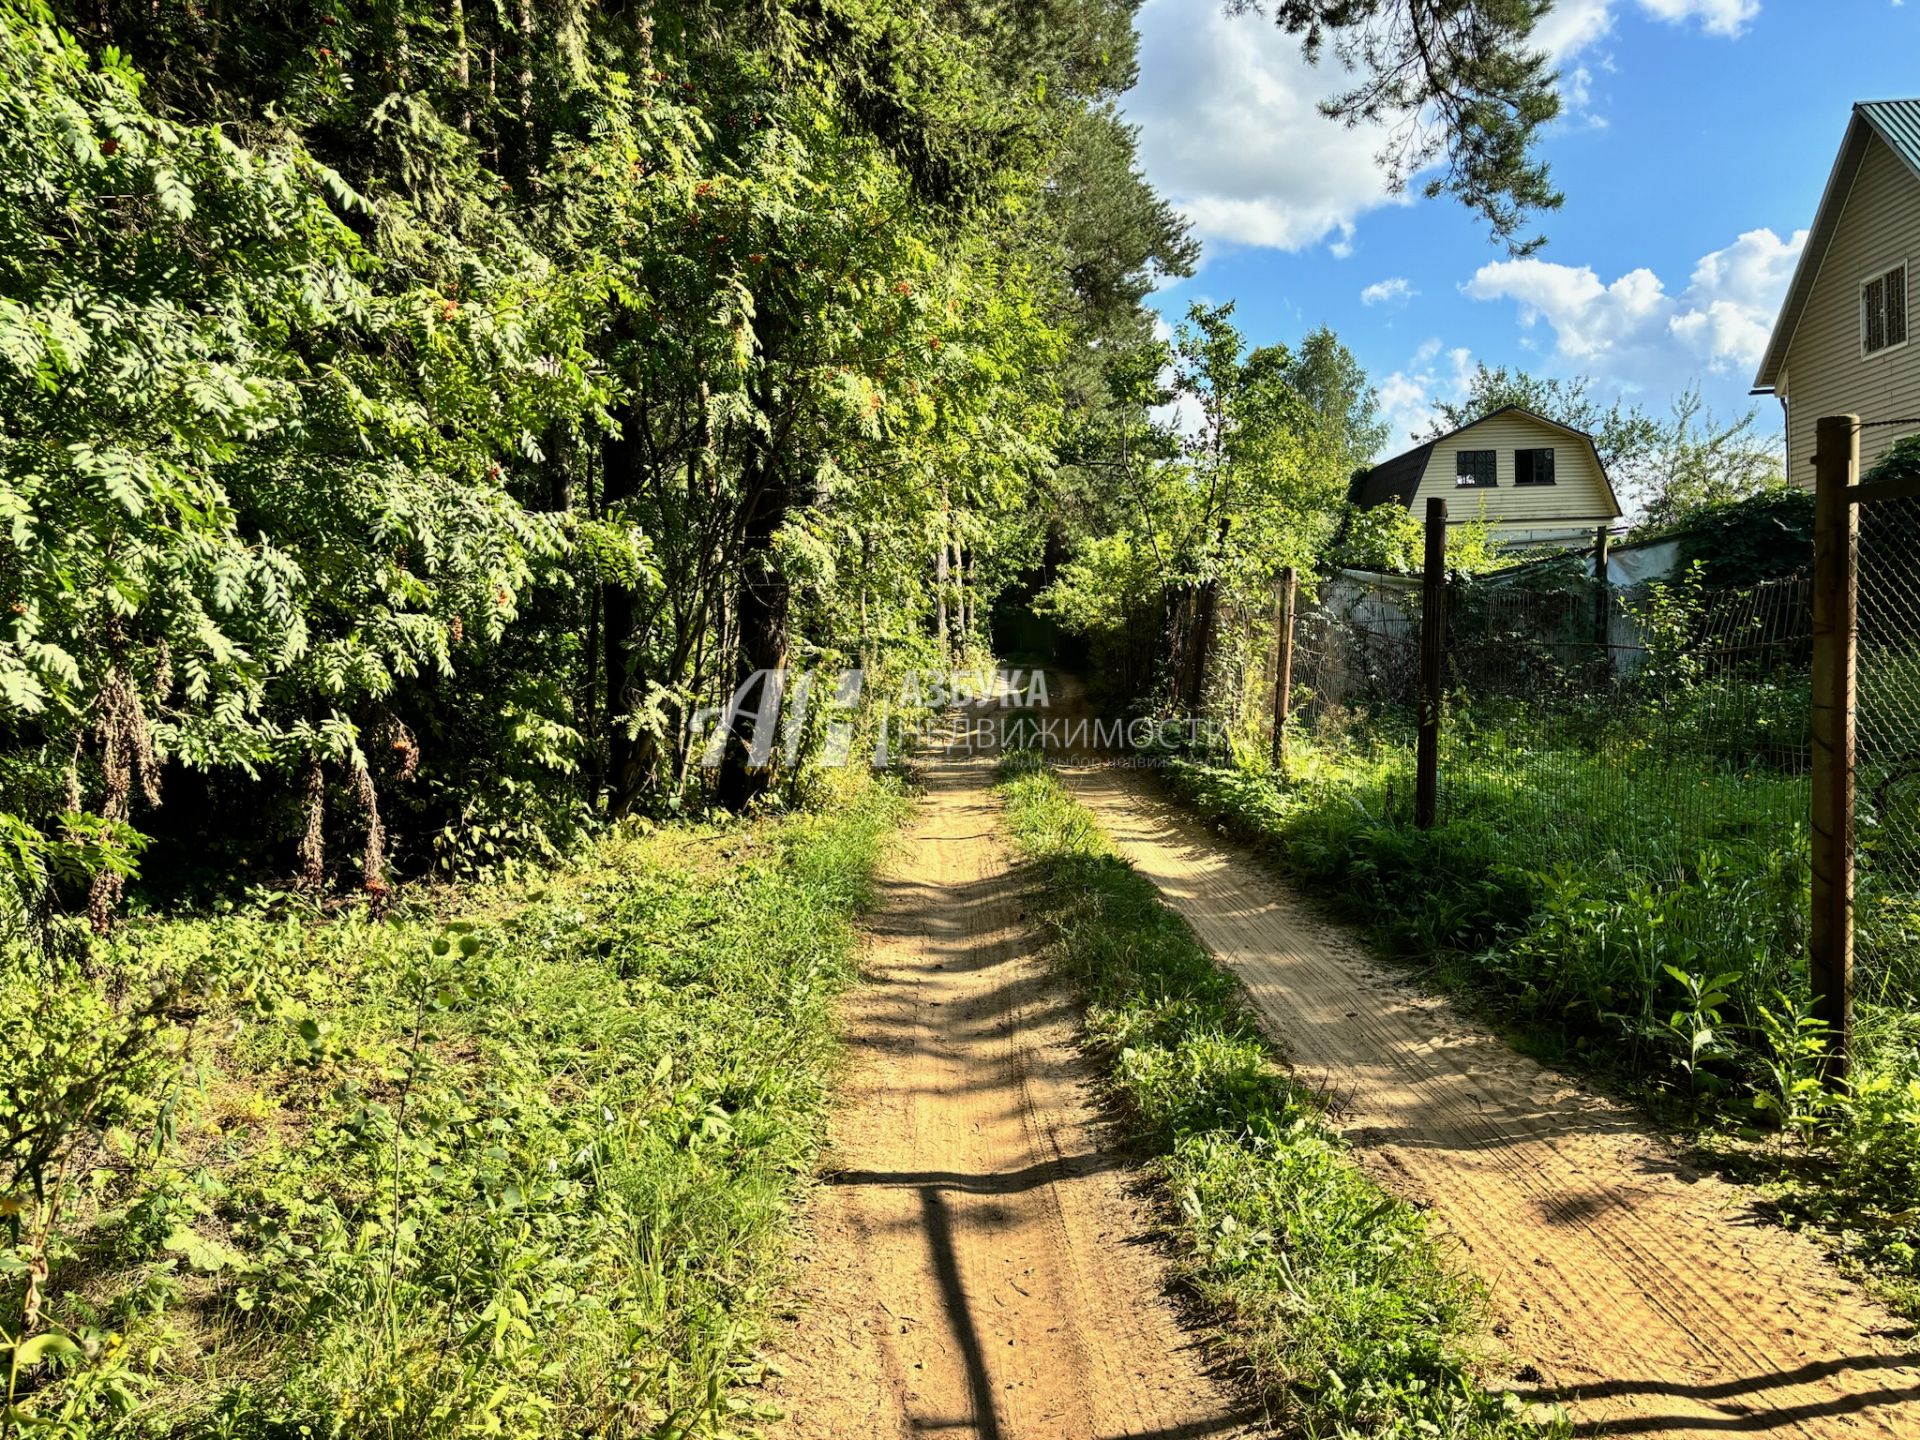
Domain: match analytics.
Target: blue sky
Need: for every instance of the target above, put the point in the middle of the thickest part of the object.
(1696, 140)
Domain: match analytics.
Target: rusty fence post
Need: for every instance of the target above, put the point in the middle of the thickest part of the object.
(1283, 666)
(1835, 593)
(1433, 660)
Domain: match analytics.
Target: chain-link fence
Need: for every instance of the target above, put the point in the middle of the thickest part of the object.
(1597, 716)
(1701, 753)
(1357, 655)
(1887, 753)
(1648, 746)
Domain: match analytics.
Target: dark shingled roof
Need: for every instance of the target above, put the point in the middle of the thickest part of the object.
(1897, 122)
(1394, 479)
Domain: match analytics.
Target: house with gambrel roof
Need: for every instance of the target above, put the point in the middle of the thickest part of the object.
(1541, 482)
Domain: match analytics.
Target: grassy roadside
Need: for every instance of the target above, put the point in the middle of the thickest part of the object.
(1330, 1291)
(526, 1171)
(1571, 962)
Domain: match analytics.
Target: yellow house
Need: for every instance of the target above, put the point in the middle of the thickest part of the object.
(1540, 480)
(1840, 346)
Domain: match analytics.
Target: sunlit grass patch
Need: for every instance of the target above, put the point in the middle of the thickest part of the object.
(423, 1177)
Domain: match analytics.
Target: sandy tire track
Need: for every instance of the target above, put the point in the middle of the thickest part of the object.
(977, 1265)
(1650, 1298)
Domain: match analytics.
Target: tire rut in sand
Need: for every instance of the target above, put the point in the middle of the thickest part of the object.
(976, 1264)
(1651, 1299)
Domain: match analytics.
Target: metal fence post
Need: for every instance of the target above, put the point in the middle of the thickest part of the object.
(1433, 659)
(1283, 666)
(1602, 592)
(1835, 590)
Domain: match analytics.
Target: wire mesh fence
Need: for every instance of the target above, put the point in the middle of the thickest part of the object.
(1650, 745)
(1887, 748)
(1354, 658)
(1651, 740)
(1653, 723)
(1357, 654)
(1660, 727)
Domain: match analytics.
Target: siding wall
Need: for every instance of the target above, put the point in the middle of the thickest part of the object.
(1571, 507)
(1879, 226)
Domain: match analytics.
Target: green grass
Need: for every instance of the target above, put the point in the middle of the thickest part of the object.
(531, 1172)
(1329, 1289)
(1562, 915)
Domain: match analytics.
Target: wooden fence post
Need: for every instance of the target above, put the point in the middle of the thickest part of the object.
(1835, 587)
(1433, 661)
(1602, 593)
(1283, 666)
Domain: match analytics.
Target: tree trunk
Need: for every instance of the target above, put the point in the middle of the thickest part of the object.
(1206, 604)
(1206, 609)
(462, 66)
(525, 79)
(770, 492)
(621, 469)
(967, 616)
(940, 628)
(761, 619)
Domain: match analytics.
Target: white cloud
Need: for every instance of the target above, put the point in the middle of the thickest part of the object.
(1573, 25)
(1394, 290)
(1576, 85)
(1231, 132)
(1407, 396)
(1632, 327)
(1716, 17)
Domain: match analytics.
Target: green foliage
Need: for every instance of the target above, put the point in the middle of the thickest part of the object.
(1392, 540)
(1701, 465)
(1344, 407)
(1626, 939)
(1386, 538)
(1331, 1291)
(1208, 506)
(382, 443)
(250, 475)
(529, 1170)
(1764, 536)
(1901, 462)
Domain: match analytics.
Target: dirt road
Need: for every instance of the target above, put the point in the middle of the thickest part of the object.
(1647, 1297)
(978, 1265)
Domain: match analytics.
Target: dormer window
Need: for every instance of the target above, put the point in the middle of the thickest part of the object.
(1473, 469)
(1883, 311)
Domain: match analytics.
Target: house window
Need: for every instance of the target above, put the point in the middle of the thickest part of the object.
(1883, 311)
(1473, 468)
(1533, 467)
